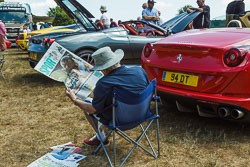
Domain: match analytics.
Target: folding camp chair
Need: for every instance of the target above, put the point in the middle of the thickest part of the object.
(129, 111)
(1, 65)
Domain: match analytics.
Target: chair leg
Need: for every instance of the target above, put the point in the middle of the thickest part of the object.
(99, 147)
(2, 74)
(158, 136)
(157, 126)
(105, 151)
(1, 66)
(124, 135)
(149, 142)
(114, 147)
(134, 142)
(137, 144)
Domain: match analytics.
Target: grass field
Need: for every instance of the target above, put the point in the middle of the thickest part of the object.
(36, 114)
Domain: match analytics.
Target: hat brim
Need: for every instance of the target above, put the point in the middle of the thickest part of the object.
(118, 55)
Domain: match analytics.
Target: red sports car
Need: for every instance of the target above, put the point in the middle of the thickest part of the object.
(205, 70)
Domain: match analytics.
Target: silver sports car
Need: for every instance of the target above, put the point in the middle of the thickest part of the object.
(131, 36)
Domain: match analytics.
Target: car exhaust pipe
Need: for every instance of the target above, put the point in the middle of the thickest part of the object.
(223, 112)
(236, 114)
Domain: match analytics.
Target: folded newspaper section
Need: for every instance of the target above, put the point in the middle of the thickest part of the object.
(62, 65)
(62, 156)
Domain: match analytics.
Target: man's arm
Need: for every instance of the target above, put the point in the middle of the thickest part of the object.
(87, 107)
(197, 9)
(154, 18)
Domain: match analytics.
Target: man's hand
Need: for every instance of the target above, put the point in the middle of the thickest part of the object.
(70, 94)
(188, 10)
(155, 18)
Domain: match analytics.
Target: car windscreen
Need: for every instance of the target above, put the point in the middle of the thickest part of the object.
(184, 21)
(86, 23)
(172, 21)
(179, 22)
(13, 16)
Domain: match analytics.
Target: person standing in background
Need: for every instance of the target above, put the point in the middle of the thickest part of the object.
(26, 29)
(144, 6)
(3, 32)
(160, 21)
(150, 14)
(104, 18)
(236, 7)
(203, 20)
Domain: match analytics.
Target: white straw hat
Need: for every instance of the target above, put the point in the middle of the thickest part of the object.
(105, 58)
(103, 8)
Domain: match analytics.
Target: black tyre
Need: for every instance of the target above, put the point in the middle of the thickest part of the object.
(234, 23)
(32, 64)
(86, 55)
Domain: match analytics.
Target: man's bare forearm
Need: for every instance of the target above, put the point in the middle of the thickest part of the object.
(87, 107)
(197, 9)
(154, 18)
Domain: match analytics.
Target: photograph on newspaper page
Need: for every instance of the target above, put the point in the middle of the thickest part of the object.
(61, 65)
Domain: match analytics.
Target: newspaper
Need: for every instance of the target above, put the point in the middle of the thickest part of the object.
(61, 65)
(48, 160)
(64, 152)
(62, 156)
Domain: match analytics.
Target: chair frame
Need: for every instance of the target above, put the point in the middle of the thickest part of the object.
(126, 137)
(1, 66)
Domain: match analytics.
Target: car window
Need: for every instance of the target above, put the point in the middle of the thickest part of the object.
(79, 15)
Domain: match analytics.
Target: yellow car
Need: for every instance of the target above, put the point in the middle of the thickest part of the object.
(23, 38)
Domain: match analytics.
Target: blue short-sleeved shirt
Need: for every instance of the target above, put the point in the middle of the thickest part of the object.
(133, 79)
(148, 12)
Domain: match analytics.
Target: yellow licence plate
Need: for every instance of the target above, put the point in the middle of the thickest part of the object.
(33, 55)
(179, 78)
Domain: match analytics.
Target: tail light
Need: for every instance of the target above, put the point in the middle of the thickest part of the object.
(233, 57)
(147, 50)
(45, 40)
(51, 40)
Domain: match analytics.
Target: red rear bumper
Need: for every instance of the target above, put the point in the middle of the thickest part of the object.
(216, 98)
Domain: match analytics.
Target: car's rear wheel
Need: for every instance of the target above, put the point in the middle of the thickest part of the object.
(32, 64)
(234, 23)
(86, 55)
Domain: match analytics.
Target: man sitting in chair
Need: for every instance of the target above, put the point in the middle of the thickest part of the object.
(133, 79)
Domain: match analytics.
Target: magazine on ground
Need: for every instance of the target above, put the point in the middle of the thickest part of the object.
(62, 156)
(64, 152)
(60, 64)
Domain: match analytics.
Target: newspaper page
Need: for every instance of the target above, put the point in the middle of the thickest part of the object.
(64, 66)
(63, 155)
(48, 160)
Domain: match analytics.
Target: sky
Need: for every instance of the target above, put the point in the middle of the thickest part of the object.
(131, 9)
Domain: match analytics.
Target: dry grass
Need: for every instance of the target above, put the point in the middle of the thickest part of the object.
(35, 114)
